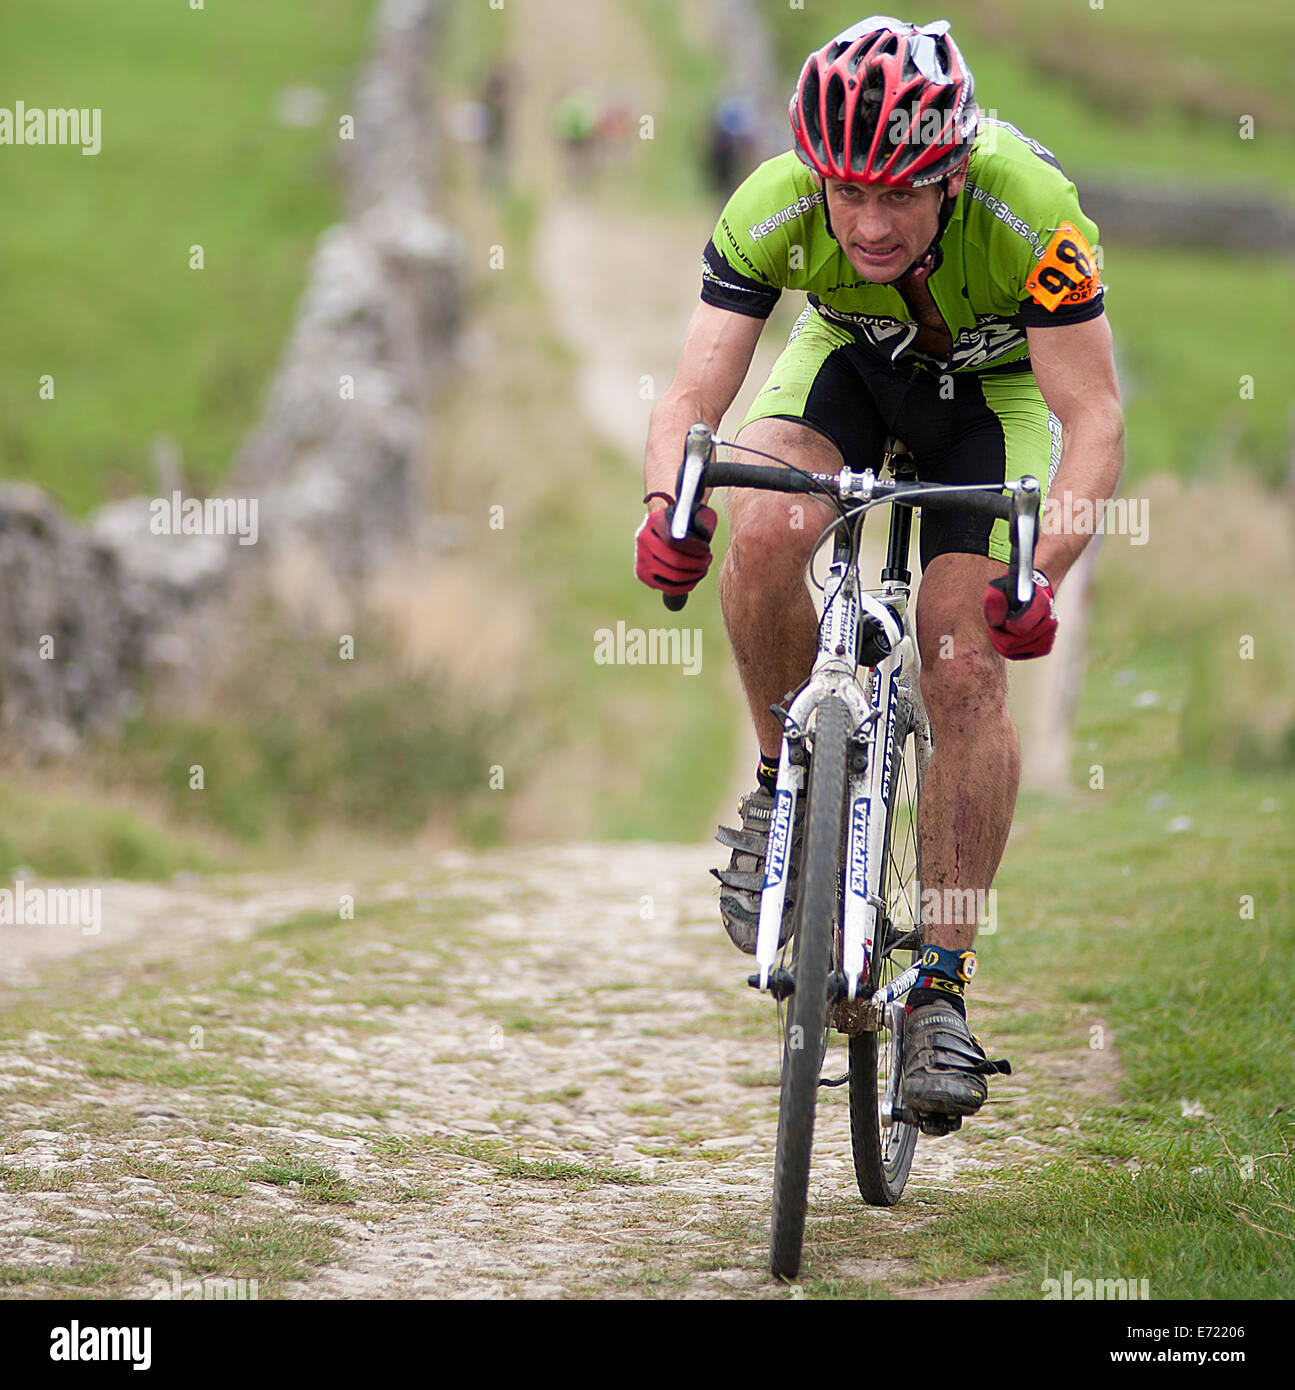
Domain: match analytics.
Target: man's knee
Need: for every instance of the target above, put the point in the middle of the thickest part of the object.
(964, 676)
(772, 534)
(767, 541)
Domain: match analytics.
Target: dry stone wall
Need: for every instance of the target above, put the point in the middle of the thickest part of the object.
(87, 612)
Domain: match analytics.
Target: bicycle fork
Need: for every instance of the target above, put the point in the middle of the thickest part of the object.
(869, 789)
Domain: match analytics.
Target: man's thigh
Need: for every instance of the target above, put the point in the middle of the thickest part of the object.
(816, 382)
(995, 429)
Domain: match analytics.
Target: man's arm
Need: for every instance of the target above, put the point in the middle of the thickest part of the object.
(1075, 369)
(716, 356)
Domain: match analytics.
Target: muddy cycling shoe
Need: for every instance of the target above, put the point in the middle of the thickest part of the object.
(944, 1068)
(739, 902)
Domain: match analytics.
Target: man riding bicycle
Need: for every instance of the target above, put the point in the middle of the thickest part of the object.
(955, 304)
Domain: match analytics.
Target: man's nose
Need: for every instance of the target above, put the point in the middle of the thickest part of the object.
(873, 226)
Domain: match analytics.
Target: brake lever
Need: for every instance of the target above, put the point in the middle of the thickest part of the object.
(695, 453)
(697, 449)
(1024, 528)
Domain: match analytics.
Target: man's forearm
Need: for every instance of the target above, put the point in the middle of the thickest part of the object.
(1092, 459)
(671, 420)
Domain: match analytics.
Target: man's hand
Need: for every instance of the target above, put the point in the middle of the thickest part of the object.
(1018, 633)
(674, 567)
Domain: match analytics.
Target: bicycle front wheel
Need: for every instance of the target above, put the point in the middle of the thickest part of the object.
(817, 910)
(883, 1154)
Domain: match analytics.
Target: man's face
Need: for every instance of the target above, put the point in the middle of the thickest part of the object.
(884, 230)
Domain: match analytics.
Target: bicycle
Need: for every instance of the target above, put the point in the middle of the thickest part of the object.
(857, 749)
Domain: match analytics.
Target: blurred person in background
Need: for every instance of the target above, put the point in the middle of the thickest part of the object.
(732, 135)
(495, 102)
(576, 126)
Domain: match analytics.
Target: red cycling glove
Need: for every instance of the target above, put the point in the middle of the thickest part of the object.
(674, 567)
(1019, 633)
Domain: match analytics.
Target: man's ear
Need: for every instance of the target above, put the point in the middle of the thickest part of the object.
(958, 179)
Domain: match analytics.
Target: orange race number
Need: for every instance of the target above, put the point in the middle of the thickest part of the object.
(1067, 270)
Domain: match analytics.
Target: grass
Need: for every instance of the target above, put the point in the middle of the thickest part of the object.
(308, 741)
(598, 728)
(317, 1182)
(1129, 906)
(193, 154)
(1183, 357)
(67, 834)
(669, 170)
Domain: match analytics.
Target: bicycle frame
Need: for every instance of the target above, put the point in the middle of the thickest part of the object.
(836, 672)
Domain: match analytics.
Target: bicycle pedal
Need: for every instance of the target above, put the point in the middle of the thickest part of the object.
(928, 1122)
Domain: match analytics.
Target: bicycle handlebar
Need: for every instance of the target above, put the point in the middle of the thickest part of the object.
(1020, 509)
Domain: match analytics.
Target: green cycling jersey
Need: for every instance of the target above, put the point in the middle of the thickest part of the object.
(1016, 209)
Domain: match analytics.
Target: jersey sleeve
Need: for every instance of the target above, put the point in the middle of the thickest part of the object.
(1036, 241)
(728, 288)
(1064, 284)
(745, 264)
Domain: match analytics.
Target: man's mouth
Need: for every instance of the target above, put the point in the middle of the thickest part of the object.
(877, 255)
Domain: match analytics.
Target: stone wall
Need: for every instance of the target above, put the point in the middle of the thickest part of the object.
(87, 612)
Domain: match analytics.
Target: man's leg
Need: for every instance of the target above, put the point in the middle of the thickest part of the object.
(969, 793)
(768, 611)
(968, 798)
(773, 628)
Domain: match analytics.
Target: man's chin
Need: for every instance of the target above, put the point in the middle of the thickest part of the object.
(880, 272)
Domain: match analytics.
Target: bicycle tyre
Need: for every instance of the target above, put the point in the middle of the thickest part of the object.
(883, 1155)
(807, 1017)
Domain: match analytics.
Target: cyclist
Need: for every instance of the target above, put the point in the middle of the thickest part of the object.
(954, 303)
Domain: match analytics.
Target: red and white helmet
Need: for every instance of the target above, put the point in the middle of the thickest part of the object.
(885, 103)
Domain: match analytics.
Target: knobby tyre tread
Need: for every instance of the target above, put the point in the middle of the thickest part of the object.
(806, 1018)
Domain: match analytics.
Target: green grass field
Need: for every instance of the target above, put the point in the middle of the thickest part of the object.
(1153, 916)
(99, 293)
